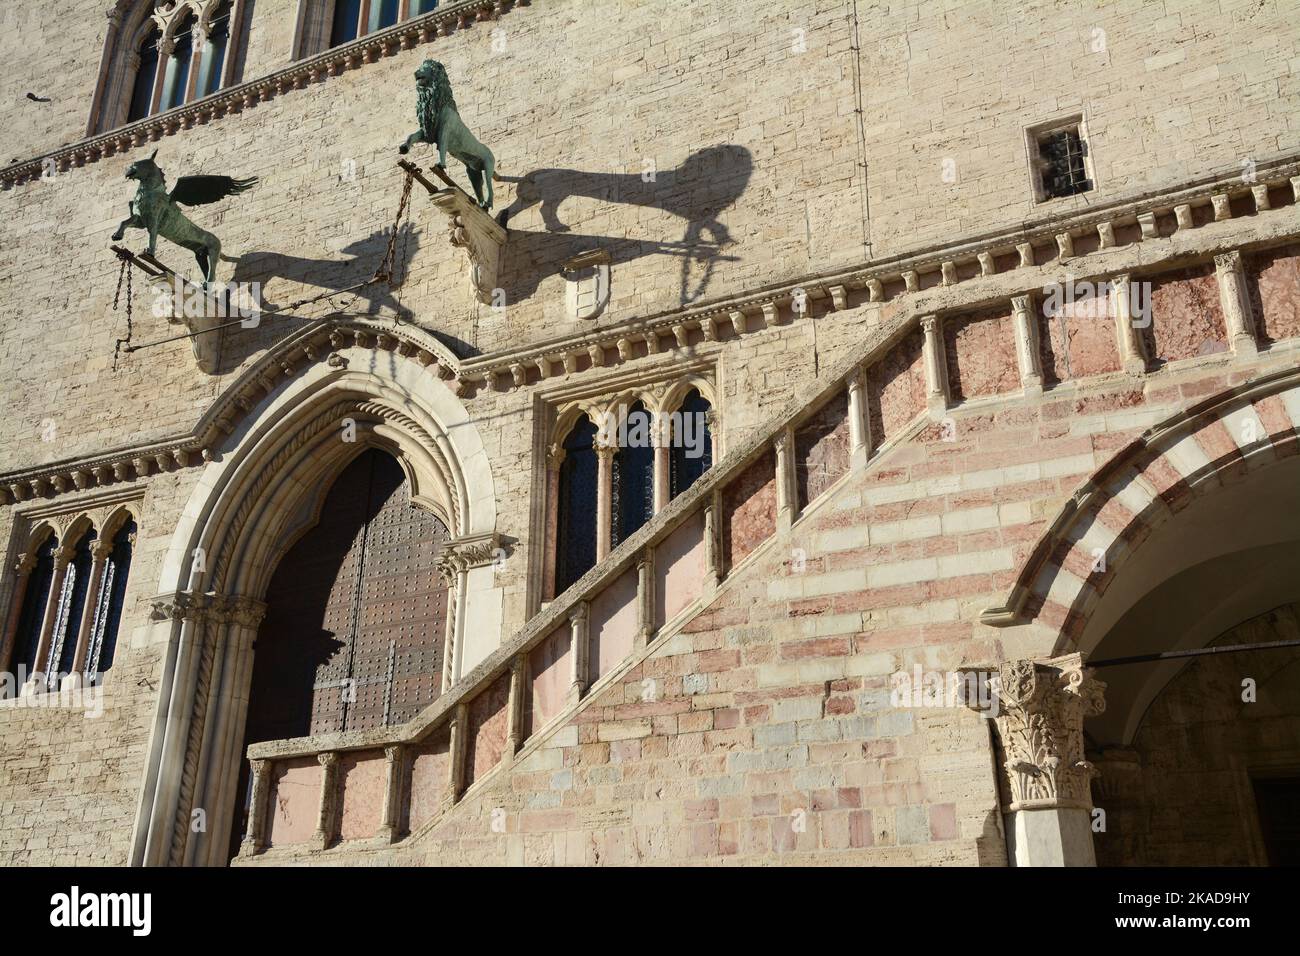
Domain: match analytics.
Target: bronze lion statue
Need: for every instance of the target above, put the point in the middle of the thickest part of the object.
(440, 123)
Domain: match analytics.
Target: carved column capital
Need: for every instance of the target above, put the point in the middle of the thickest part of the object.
(1228, 261)
(1041, 706)
(25, 565)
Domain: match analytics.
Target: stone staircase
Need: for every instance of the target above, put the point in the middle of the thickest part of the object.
(679, 574)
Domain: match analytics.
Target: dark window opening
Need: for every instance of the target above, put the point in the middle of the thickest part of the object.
(691, 453)
(1063, 171)
(632, 480)
(347, 13)
(214, 53)
(108, 605)
(575, 548)
(1278, 801)
(35, 597)
(145, 77)
(383, 13)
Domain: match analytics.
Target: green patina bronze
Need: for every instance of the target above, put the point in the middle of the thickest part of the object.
(440, 123)
(158, 212)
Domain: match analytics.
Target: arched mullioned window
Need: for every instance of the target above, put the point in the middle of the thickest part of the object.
(323, 24)
(605, 483)
(68, 604)
(161, 54)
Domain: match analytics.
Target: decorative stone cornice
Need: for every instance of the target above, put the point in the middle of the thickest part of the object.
(235, 99)
(1041, 706)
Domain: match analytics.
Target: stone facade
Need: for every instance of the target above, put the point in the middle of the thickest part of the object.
(824, 218)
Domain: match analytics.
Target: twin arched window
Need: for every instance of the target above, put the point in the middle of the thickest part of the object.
(609, 479)
(69, 607)
(324, 24)
(162, 54)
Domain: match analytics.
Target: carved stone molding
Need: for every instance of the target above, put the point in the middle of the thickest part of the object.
(1041, 706)
(478, 234)
(471, 551)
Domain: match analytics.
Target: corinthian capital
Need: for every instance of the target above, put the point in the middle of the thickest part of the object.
(1041, 709)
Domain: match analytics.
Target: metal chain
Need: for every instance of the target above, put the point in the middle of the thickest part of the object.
(128, 272)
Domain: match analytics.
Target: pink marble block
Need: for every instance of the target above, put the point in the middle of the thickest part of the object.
(821, 446)
(295, 801)
(1274, 282)
(612, 624)
(981, 354)
(362, 782)
(1078, 339)
(488, 718)
(749, 509)
(551, 669)
(896, 387)
(1186, 317)
(679, 569)
(429, 775)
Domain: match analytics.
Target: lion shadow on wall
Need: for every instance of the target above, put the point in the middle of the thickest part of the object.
(698, 191)
(313, 277)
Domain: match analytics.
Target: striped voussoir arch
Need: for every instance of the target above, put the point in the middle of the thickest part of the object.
(1211, 444)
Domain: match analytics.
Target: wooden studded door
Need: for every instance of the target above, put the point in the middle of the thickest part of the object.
(356, 613)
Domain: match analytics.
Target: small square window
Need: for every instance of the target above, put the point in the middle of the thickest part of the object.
(1060, 161)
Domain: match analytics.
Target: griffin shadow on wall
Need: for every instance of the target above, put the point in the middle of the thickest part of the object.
(312, 276)
(698, 191)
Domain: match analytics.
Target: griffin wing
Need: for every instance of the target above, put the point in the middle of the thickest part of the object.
(200, 190)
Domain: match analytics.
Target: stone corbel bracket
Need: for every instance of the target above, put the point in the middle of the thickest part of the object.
(205, 342)
(478, 234)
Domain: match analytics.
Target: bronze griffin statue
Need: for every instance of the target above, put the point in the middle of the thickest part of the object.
(157, 211)
(440, 123)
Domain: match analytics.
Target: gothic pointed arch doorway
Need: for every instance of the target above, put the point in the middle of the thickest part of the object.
(354, 633)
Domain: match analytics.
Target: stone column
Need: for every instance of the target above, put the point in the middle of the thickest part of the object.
(1027, 348)
(22, 571)
(604, 497)
(515, 705)
(62, 557)
(1131, 354)
(936, 367)
(1235, 302)
(233, 622)
(99, 553)
(327, 821)
(713, 542)
(713, 418)
(394, 778)
(645, 596)
(661, 436)
(859, 420)
(456, 755)
(554, 459)
(1040, 709)
(787, 494)
(255, 836)
(579, 649)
